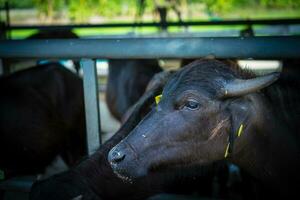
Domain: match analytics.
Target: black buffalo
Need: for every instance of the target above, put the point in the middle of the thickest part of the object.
(210, 111)
(41, 115)
(93, 178)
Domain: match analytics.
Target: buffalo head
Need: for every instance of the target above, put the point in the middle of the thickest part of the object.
(201, 110)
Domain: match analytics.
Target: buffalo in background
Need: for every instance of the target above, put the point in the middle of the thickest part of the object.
(41, 116)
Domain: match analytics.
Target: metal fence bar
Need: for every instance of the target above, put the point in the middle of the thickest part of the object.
(176, 47)
(91, 101)
(158, 24)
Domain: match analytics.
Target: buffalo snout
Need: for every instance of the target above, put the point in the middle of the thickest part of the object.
(124, 162)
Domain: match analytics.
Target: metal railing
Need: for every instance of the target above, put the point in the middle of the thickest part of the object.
(90, 49)
(179, 47)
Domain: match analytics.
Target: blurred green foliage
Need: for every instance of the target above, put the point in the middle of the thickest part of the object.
(82, 10)
(280, 3)
(224, 6)
(47, 8)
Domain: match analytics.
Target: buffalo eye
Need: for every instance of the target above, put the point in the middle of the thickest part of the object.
(191, 104)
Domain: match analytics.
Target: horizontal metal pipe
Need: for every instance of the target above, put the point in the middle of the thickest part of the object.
(192, 47)
(157, 24)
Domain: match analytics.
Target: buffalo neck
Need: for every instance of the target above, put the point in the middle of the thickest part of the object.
(98, 174)
(269, 149)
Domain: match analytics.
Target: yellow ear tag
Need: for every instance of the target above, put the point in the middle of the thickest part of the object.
(157, 99)
(240, 130)
(226, 151)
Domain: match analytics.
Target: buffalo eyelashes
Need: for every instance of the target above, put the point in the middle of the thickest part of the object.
(192, 105)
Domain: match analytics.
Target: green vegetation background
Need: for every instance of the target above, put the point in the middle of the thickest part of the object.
(82, 11)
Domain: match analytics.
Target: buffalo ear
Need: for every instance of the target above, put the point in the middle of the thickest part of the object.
(240, 111)
(143, 105)
(159, 80)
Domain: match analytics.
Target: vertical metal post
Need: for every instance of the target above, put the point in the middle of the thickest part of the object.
(91, 101)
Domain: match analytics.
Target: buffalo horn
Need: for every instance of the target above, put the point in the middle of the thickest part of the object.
(239, 87)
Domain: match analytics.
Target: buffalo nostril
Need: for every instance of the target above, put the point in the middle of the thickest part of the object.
(116, 156)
